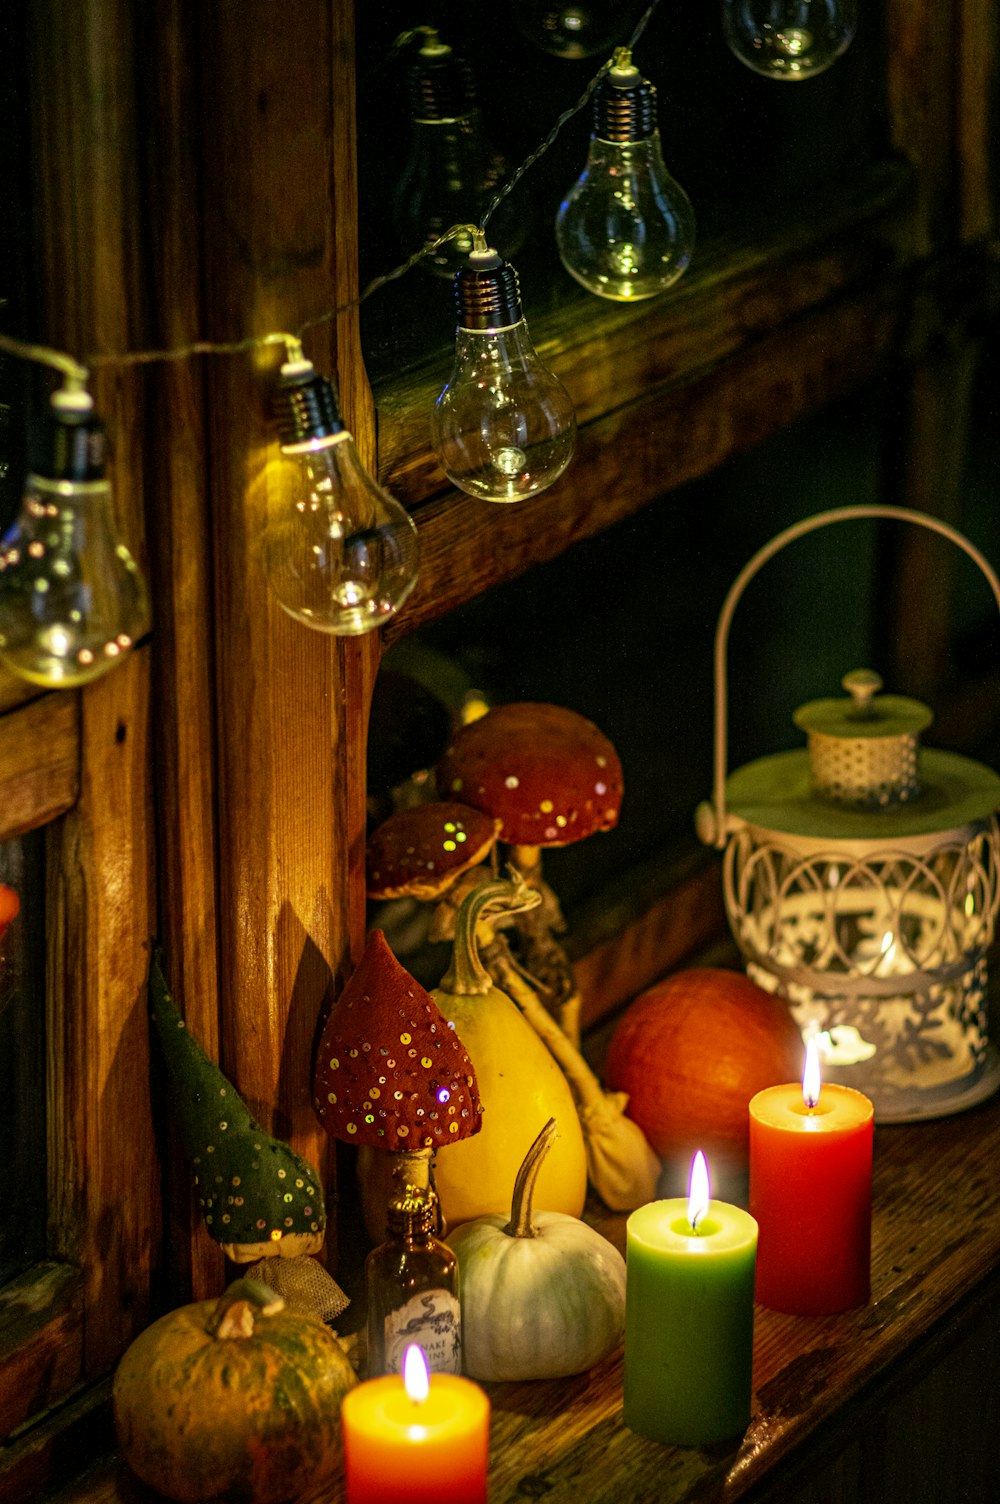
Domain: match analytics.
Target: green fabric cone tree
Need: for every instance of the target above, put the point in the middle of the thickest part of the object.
(252, 1188)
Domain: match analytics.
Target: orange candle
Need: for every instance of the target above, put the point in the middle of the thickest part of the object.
(811, 1194)
(416, 1438)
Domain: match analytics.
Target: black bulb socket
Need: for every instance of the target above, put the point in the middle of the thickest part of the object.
(487, 293)
(440, 86)
(71, 446)
(624, 110)
(305, 407)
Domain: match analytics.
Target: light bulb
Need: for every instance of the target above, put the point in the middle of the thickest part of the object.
(626, 228)
(573, 28)
(72, 600)
(451, 174)
(340, 553)
(788, 39)
(503, 427)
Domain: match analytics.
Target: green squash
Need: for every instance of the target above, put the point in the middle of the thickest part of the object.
(233, 1400)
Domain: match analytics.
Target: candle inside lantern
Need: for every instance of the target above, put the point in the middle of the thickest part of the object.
(689, 1317)
(416, 1438)
(811, 1193)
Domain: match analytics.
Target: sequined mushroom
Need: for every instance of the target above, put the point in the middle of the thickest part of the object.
(551, 778)
(419, 852)
(391, 1073)
(260, 1200)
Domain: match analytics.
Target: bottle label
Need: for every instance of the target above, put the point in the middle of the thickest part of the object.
(433, 1319)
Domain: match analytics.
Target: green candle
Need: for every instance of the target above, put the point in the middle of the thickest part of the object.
(689, 1318)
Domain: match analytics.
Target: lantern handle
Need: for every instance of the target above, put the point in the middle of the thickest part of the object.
(711, 818)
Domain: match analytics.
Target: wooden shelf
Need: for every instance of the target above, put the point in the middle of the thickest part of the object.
(898, 1399)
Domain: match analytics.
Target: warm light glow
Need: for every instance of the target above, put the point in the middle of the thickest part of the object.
(811, 1074)
(416, 1376)
(699, 1192)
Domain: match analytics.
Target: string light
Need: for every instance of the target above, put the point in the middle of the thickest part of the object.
(72, 600)
(451, 173)
(503, 426)
(626, 229)
(789, 39)
(341, 553)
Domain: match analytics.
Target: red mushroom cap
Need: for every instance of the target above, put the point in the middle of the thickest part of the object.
(419, 852)
(548, 774)
(390, 1071)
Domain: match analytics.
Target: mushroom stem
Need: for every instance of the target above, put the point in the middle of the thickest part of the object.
(528, 861)
(520, 1224)
(467, 976)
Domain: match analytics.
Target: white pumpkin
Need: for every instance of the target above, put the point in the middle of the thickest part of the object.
(542, 1297)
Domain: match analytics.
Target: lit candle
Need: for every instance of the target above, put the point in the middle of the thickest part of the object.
(689, 1317)
(811, 1193)
(416, 1438)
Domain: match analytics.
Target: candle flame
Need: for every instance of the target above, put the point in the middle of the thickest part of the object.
(416, 1376)
(698, 1190)
(811, 1074)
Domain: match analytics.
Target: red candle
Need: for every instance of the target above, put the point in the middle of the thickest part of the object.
(416, 1438)
(811, 1194)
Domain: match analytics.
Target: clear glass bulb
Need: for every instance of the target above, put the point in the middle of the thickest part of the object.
(573, 28)
(503, 426)
(451, 174)
(626, 228)
(72, 600)
(789, 39)
(341, 556)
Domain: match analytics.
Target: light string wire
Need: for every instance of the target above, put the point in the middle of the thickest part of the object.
(76, 375)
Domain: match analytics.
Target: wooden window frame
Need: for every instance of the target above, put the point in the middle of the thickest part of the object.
(211, 790)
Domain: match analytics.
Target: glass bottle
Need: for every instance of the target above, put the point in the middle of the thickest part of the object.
(411, 1283)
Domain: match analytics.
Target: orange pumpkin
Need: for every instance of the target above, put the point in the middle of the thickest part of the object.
(9, 906)
(236, 1399)
(692, 1050)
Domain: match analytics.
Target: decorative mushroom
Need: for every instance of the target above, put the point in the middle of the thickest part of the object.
(551, 778)
(419, 852)
(260, 1200)
(391, 1073)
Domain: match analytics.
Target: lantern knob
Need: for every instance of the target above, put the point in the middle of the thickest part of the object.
(862, 684)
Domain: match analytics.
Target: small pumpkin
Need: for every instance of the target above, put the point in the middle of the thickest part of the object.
(232, 1399)
(692, 1050)
(543, 1295)
(520, 1084)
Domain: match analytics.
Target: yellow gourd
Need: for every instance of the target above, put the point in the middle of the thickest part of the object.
(520, 1085)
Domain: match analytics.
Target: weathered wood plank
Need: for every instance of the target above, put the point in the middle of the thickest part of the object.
(633, 455)
(841, 1393)
(609, 355)
(181, 578)
(277, 228)
(41, 1340)
(104, 1200)
(39, 760)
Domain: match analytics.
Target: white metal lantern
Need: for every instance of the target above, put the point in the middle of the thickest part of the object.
(861, 877)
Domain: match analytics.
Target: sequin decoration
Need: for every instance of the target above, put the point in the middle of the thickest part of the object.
(384, 1004)
(236, 1148)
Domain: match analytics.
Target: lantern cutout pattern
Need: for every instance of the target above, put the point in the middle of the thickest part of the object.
(860, 878)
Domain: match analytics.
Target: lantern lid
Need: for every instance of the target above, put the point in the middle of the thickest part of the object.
(776, 793)
(866, 713)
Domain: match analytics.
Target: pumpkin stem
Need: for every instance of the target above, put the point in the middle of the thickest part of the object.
(520, 1224)
(237, 1309)
(467, 976)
